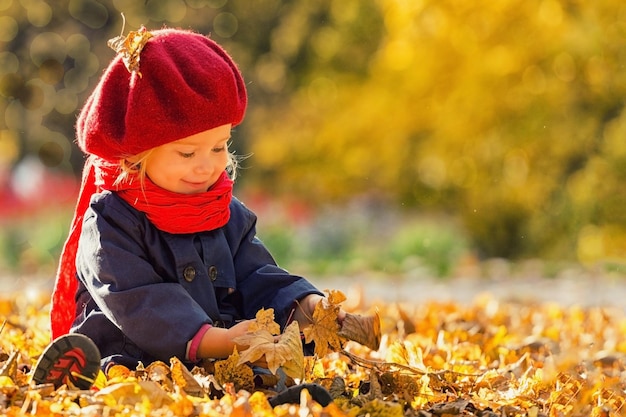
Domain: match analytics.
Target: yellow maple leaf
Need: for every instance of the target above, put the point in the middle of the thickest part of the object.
(335, 297)
(265, 320)
(324, 327)
(230, 370)
(284, 351)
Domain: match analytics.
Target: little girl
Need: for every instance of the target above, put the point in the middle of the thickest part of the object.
(161, 260)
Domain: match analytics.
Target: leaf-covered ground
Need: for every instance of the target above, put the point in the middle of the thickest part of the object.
(487, 358)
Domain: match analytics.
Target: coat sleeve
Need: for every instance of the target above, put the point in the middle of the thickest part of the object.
(260, 281)
(113, 263)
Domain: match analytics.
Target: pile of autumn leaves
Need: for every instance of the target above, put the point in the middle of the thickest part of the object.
(489, 358)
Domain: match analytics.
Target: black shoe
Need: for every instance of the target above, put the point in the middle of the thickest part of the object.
(72, 359)
(292, 395)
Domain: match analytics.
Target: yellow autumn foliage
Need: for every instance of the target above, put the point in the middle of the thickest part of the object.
(459, 359)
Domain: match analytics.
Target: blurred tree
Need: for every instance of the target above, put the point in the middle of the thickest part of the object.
(507, 114)
(495, 111)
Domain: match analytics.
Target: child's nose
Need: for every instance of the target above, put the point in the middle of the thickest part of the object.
(204, 165)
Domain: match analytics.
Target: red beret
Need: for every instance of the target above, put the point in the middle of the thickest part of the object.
(186, 84)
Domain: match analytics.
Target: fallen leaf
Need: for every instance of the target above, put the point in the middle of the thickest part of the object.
(159, 372)
(118, 372)
(9, 368)
(364, 330)
(231, 370)
(265, 320)
(182, 377)
(335, 297)
(134, 392)
(284, 351)
(324, 327)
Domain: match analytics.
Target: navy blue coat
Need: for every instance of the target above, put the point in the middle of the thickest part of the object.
(143, 293)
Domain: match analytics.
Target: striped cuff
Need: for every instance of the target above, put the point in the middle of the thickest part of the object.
(192, 346)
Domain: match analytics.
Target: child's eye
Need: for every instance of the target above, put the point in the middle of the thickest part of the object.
(221, 149)
(186, 154)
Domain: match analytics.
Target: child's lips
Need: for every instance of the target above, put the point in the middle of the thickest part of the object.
(201, 185)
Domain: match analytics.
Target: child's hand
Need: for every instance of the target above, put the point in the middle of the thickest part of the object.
(241, 329)
(218, 343)
(307, 305)
(237, 330)
(305, 308)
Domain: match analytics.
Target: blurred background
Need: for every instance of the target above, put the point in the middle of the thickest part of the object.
(421, 138)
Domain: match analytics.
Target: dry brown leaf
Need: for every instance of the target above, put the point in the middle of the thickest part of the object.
(265, 320)
(159, 372)
(284, 351)
(130, 47)
(294, 367)
(364, 330)
(406, 321)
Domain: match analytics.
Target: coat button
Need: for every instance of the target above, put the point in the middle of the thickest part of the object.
(189, 273)
(212, 272)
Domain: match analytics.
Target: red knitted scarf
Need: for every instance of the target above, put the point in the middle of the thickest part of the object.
(168, 211)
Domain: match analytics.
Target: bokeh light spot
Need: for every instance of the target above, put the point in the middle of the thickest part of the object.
(75, 80)
(225, 25)
(38, 95)
(8, 28)
(10, 85)
(463, 171)
(327, 43)
(9, 148)
(564, 67)
(322, 91)
(66, 101)
(48, 45)
(51, 71)
(550, 12)
(17, 118)
(399, 55)
(216, 4)
(39, 14)
(196, 4)
(515, 167)
(89, 12)
(77, 46)
(9, 62)
(5, 4)
(534, 80)
(51, 148)
(590, 247)
(51, 154)
(171, 11)
(271, 73)
(432, 171)
(31, 96)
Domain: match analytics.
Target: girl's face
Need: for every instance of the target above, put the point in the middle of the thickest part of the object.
(192, 164)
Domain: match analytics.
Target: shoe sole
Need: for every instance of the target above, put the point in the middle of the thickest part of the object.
(292, 395)
(72, 359)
